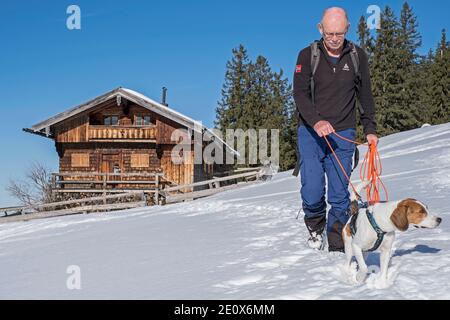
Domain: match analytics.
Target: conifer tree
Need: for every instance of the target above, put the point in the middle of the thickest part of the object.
(410, 39)
(421, 81)
(385, 75)
(234, 90)
(392, 73)
(411, 82)
(365, 38)
(285, 120)
(439, 89)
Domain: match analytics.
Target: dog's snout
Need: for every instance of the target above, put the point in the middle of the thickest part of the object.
(439, 220)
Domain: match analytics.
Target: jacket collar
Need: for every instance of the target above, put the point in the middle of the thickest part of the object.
(347, 48)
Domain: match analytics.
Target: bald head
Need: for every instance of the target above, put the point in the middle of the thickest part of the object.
(335, 15)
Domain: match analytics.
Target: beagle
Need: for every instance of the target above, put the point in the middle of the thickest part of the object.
(373, 228)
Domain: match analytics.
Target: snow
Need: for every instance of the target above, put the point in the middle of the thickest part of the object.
(240, 244)
(161, 106)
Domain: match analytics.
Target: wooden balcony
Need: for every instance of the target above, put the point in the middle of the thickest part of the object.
(122, 133)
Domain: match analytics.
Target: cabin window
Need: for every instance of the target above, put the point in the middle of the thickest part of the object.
(116, 168)
(142, 120)
(80, 160)
(111, 120)
(140, 160)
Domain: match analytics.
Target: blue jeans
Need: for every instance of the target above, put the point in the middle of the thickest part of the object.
(316, 161)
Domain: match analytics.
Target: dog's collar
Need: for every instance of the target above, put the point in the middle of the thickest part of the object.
(380, 233)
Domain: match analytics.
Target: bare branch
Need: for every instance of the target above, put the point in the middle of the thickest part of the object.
(35, 189)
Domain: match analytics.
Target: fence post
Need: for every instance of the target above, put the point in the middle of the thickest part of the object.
(104, 189)
(157, 189)
(144, 197)
(53, 182)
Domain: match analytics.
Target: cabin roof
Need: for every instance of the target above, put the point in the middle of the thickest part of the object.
(43, 128)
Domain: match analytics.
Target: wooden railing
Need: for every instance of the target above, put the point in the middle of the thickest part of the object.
(93, 182)
(4, 212)
(213, 186)
(129, 200)
(127, 133)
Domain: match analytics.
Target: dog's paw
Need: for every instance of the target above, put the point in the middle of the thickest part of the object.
(361, 276)
(378, 281)
(347, 270)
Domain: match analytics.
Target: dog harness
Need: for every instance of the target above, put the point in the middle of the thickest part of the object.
(373, 223)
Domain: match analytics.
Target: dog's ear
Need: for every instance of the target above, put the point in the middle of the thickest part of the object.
(399, 217)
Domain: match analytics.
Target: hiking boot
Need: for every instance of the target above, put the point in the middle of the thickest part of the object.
(315, 241)
(335, 240)
(338, 250)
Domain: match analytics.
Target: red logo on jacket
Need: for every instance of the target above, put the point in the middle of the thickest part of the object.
(298, 68)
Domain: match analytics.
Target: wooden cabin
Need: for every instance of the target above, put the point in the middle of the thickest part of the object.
(122, 140)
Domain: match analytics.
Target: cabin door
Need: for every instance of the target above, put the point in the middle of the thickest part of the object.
(111, 163)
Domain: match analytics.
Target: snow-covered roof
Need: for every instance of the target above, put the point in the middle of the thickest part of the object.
(43, 128)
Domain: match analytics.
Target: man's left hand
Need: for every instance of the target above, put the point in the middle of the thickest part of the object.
(372, 139)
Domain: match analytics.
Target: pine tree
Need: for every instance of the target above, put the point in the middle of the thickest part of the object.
(409, 40)
(392, 73)
(365, 38)
(283, 107)
(257, 109)
(439, 89)
(423, 74)
(234, 91)
(288, 129)
(385, 73)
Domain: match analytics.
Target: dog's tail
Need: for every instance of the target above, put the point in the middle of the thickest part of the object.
(354, 197)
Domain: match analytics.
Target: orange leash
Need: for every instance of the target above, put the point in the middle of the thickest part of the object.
(370, 169)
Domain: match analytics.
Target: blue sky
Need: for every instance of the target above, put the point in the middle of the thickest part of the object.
(145, 45)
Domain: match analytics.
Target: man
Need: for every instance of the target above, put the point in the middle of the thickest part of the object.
(330, 108)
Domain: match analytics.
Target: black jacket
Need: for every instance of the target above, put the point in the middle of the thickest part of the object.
(335, 87)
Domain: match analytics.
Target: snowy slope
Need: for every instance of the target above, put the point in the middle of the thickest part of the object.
(241, 244)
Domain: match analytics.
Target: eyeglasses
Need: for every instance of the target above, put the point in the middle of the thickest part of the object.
(330, 35)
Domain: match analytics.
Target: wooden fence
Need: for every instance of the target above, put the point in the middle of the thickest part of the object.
(160, 193)
(85, 205)
(94, 182)
(176, 194)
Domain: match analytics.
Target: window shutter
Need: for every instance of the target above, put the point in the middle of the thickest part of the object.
(140, 160)
(80, 160)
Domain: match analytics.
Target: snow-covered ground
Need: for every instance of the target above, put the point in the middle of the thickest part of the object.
(241, 244)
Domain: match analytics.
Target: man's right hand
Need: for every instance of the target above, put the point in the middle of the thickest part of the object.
(323, 128)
